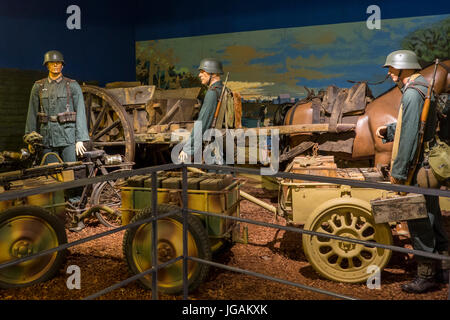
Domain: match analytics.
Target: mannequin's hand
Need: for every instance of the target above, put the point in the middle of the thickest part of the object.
(395, 180)
(80, 149)
(381, 132)
(182, 157)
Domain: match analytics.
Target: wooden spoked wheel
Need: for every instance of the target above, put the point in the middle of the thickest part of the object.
(108, 123)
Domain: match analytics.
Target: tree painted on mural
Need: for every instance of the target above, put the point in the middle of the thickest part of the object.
(155, 67)
(430, 43)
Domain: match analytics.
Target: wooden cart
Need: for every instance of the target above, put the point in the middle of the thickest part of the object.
(339, 210)
(208, 192)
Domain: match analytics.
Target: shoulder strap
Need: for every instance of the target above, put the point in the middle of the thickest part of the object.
(413, 83)
(218, 90)
(41, 87)
(69, 92)
(423, 95)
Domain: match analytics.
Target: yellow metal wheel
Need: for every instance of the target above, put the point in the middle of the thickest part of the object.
(25, 231)
(137, 246)
(345, 261)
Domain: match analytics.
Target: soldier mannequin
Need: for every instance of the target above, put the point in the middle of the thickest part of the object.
(52, 96)
(210, 71)
(427, 234)
(56, 110)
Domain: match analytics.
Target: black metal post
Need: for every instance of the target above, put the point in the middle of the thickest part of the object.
(448, 296)
(184, 211)
(155, 236)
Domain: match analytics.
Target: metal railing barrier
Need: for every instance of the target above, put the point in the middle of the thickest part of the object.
(8, 195)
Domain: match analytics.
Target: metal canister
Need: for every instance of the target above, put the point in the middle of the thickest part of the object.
(113, 159)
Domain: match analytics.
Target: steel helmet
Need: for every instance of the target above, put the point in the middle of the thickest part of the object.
(211, 65)
(53, 56)
(402, 59)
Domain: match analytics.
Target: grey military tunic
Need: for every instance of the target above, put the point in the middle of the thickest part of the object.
(206, 115)
(54, 96)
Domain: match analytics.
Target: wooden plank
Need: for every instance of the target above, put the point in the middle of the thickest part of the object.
(170, 113)
(184, 93)
(133, 95)
(305, 128)
(122, 84)
(394, 207)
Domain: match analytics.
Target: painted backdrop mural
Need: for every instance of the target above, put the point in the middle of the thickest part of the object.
(269, 63)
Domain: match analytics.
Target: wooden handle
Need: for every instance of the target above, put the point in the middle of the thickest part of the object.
(219, 104)
(426, 108)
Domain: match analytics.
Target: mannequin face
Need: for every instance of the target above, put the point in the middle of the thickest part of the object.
(204, 77)
(55, 68)
(394, 73)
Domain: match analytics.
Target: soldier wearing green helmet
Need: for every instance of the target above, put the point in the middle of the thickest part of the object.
(53, 56)
(210, 70)
(56, 111)
(427, 234)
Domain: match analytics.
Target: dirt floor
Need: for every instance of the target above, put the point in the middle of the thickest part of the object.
(275, 253)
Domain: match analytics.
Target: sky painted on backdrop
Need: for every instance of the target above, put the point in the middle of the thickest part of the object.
(268, 63)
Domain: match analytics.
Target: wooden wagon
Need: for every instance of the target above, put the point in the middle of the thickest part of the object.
(126, 117)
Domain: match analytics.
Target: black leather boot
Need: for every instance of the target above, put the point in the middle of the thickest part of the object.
(425, 279)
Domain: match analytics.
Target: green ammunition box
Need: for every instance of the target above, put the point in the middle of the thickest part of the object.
(194, 183)
(211, 184)
(159, 178)
(171, 183)
(137, 181)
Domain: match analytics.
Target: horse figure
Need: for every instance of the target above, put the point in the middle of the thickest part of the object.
(381, 111)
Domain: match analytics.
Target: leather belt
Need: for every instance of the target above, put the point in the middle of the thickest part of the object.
(53, 118)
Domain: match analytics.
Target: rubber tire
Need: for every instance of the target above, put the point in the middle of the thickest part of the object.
(55, 224)
(195, 228)
(96, 194)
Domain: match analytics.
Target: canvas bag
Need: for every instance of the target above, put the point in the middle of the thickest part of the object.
(439, 160)
(230, 111)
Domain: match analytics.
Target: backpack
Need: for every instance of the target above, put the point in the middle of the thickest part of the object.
(230, 112)
(438, 156)
(439, 160)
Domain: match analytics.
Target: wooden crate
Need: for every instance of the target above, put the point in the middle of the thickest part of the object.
(318, 166)
(394, 207)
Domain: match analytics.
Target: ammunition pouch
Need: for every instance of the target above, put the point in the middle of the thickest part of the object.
(63, 117)
(42, 117)
(67, 116)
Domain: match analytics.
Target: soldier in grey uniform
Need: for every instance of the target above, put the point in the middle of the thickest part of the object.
(210, 72)
(427, 234)
(56, 111)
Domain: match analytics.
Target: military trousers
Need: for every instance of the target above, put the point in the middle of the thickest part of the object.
(67, 153)
(428, 234)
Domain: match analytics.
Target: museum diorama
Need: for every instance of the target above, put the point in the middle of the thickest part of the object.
(263, 151)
